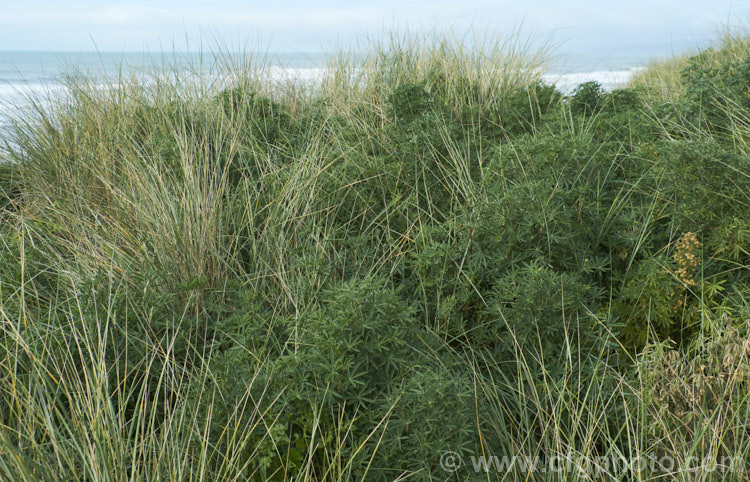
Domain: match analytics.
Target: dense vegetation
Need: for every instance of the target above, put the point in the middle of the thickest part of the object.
(429, 251)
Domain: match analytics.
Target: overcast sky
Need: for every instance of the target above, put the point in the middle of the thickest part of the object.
(601, 27)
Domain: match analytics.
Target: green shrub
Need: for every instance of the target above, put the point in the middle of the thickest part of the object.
(533, 307)
(431, 413)
(711, 91)
(586, 98)
(409, 102)
(429, 251)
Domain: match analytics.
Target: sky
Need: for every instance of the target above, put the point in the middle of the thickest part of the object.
(593, 27)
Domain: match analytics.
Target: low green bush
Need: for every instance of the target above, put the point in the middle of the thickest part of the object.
(425, 253)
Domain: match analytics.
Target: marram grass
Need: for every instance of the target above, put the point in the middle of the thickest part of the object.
(421, 264)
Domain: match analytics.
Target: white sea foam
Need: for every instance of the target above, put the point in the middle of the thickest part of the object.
(609, 79)
(14, 95)
(565, 82)
(305, 75)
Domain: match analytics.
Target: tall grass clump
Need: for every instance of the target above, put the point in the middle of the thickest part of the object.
(469, 70)
(424, 261)
(661, 78)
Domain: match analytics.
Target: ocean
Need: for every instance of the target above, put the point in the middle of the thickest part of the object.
(32, 73)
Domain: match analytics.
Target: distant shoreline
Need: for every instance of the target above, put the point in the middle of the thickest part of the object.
(34, 73)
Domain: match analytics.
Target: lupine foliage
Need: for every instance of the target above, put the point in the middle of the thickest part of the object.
(429, 251)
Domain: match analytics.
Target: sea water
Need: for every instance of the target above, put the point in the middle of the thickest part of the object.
(25, 75)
